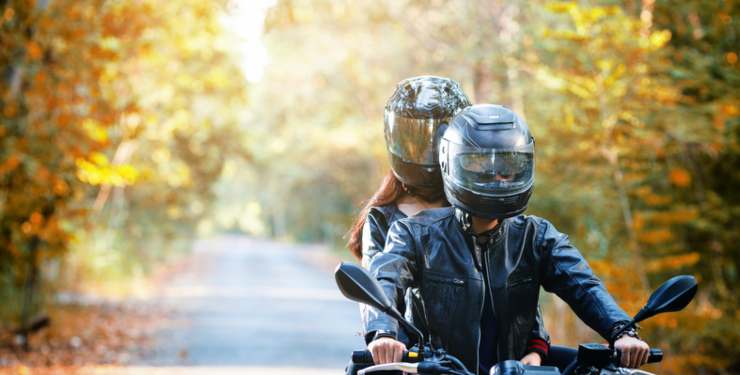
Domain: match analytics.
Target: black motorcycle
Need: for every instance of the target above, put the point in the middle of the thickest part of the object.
(592, 359)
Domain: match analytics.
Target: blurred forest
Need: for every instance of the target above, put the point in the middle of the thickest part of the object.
(117, 118)
(128, 128)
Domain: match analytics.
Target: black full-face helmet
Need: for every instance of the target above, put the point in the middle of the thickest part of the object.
(414, 115)
(487, 160)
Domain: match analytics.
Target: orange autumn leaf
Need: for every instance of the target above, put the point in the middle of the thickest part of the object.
(40, 78)
(638, 222)
(653, 199)
(730, 110)
(731, 58)
(10, 164)
(675, 216)
(34, 50)
(673, 262)
(8, 14)
(654, 237)
(680, 177)
(36, 218)
(60, 187)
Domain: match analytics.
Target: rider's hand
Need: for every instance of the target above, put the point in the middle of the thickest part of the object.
(386, 350)
(532, 359)
(635, 352)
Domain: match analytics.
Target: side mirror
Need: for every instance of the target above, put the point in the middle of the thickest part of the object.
(355, 283)
(673, 295)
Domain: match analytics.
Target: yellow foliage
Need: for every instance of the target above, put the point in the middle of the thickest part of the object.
(560, 6)
(95, 130)
(109, 64)
(99, 159)
(98, 171)
(547, 78)
(659, 39)
(566, 35)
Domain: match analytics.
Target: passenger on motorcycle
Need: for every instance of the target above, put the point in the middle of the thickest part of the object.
(478, 266)
(414, 115)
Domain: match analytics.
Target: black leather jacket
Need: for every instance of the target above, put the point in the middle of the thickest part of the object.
(433, 253)
(377, 223)
(374, 232)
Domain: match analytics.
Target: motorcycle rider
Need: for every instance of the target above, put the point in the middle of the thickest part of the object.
(479, 264)
(414, 115)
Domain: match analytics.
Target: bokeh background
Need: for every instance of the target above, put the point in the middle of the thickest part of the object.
(130, 129)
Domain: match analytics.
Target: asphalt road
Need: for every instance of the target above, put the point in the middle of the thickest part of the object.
(256, 306)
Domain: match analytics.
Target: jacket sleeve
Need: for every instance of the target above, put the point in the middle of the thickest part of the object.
(395, 270)
(373, 235)
(539, 339)
(567, 274)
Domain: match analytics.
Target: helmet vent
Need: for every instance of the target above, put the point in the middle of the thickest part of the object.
(495, 126)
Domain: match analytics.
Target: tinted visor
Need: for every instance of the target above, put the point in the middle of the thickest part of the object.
(413, 140)
(493, 172)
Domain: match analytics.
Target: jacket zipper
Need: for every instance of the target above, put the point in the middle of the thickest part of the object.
(487, 268)
(480, 316)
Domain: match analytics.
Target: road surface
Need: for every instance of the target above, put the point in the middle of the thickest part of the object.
(244, 305)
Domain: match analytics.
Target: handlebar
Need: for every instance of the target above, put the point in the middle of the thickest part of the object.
(656, 355)
(600, 355)
(364, 357)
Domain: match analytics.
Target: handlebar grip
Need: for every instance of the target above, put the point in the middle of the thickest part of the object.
(362, 356)
(365, 357)
(656, 355)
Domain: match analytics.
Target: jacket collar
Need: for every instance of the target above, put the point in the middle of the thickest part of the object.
(466, 223)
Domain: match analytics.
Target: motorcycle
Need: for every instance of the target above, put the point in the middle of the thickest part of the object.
(592, 359)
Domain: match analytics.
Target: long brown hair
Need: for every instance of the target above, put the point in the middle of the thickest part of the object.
(389, 191)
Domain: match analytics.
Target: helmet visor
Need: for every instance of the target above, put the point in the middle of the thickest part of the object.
(413, 140)
(493, 172)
